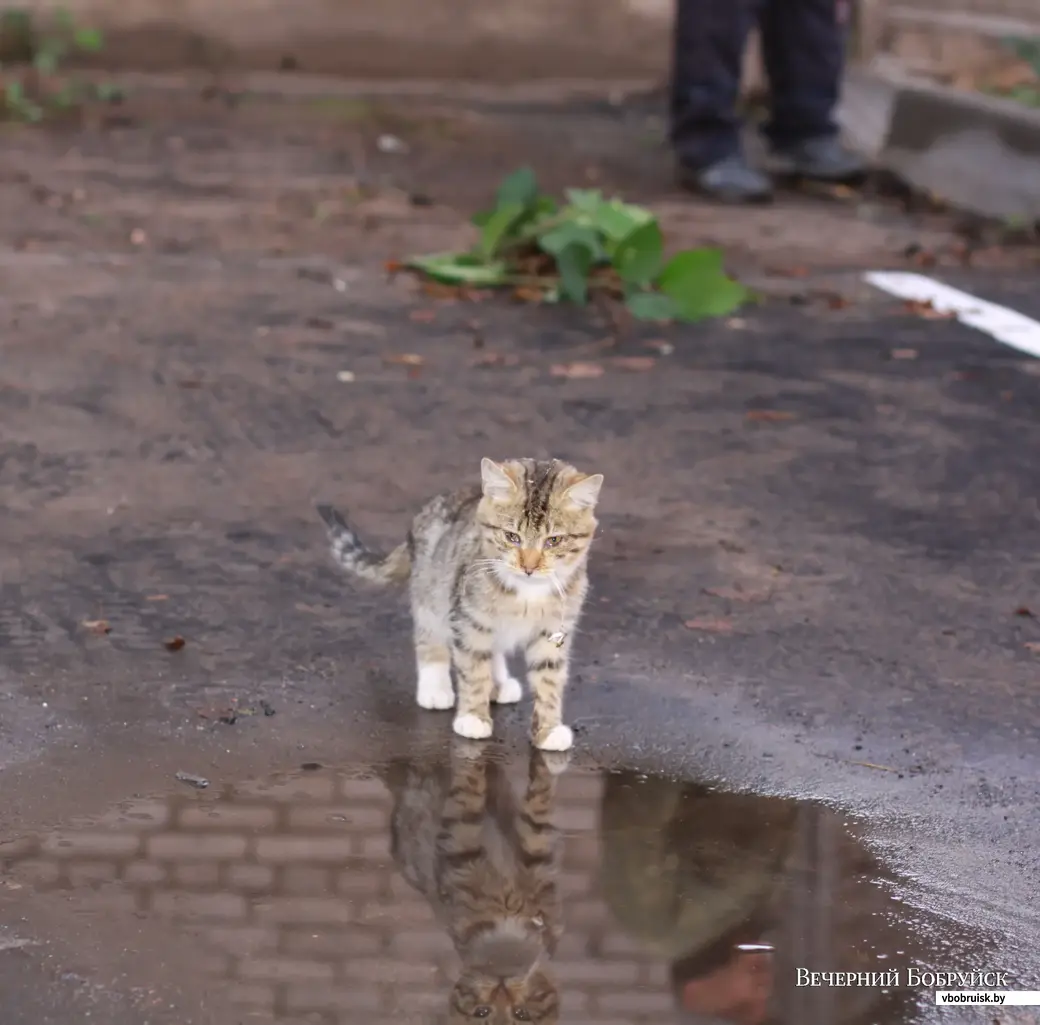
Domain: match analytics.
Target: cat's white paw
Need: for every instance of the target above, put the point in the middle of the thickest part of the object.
(508, 691)
(468, 750)
(472, 727)
(559, 738)
(434, 690)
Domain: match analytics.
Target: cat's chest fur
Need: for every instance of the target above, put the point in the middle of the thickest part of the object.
(519, 618)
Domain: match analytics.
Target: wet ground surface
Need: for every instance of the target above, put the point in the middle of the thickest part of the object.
(817, 574)
(306, 897)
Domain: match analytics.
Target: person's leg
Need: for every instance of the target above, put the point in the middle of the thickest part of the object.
(803, 47)
(709, 41)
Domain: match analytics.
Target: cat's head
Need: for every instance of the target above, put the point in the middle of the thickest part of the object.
(502, 979)
(537, 518)
(478, 997)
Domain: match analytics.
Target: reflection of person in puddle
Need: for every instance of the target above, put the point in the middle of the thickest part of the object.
(692, 875)
(713, 882)
(487, 864)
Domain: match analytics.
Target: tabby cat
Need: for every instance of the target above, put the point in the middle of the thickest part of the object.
(492, 569)
(488, 869)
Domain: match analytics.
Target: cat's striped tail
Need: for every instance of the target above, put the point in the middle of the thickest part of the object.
(349, 551)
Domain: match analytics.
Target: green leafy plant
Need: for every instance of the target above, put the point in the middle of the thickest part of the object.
(551, 251)
(33, 81)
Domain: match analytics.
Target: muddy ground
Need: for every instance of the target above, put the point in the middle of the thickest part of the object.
(817, 570)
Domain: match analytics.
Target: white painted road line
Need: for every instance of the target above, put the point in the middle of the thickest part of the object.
(1007, 326)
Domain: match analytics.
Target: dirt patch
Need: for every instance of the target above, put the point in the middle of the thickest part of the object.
(203, 170)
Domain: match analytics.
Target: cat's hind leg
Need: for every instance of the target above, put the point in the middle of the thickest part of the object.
(434, 690)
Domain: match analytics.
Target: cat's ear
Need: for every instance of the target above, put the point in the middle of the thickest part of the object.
(585, 493)
(498, 485)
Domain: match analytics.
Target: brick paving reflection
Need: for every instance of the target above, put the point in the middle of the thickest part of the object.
(292, 884)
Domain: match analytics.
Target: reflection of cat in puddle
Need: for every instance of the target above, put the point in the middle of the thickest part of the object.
(486, 861)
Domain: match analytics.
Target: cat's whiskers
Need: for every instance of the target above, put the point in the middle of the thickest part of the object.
(492, 568)
(557, 584)
(532, 968)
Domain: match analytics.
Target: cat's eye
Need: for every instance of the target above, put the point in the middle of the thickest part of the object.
(482, 1012)
(521, 1014)
(513, 539)
(552, 542)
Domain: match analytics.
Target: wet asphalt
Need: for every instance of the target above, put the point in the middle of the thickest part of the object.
(816, 582)
(816, 576)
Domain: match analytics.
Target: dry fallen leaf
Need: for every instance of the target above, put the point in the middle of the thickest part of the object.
(904, 354)
(527, 294)
(713, 626)
(768, 415)
(221, 713)
(636, 364)
(97, 626)
(422, 316)
(576, 370)
(495, 359)
(736, 594)
(1008, 77)
(924, 308)
(408, 359)
(174, 643)
(874, 765)
(1033, 646)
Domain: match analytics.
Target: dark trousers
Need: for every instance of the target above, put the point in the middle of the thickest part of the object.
(803, 52)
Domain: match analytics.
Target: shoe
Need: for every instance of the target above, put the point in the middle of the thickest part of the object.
(822, 159)
(730, 180)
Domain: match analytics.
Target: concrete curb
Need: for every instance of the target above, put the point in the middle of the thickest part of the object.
(978, 153)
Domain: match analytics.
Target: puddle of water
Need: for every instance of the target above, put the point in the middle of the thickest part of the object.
(461, 886)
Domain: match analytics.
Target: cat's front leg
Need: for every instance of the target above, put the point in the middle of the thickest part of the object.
(472, 655)
(539, 840)
(548, 659)
(460, 834)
